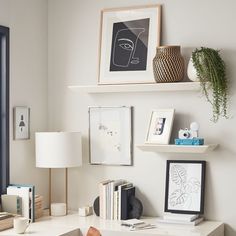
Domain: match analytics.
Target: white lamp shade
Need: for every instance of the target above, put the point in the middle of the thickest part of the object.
(58, 149)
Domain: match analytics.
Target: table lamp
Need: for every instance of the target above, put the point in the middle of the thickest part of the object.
(58, 150)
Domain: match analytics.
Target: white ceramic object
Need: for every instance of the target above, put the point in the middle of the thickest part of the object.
(191, 71)
(58, 209)
(85, 211)
(20, 224)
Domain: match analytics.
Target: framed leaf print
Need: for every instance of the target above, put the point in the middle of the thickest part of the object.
(185, 182)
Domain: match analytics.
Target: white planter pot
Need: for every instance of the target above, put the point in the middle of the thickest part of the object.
(191, 71)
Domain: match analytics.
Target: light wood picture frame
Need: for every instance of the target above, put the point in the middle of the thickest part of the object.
(21, 120)
(110, 135)
(128, 40)
(160, 126)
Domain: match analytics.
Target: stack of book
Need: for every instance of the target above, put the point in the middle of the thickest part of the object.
(6, 221)
(114, 199)
(186, 219)
(38, 206)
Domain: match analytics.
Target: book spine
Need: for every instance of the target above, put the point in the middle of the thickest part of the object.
(115, 206)
(101, 200)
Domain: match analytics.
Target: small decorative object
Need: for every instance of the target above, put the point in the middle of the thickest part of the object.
(135, 208)
(160, 126)
(211, 68)
(168, 64)
(58, 209)
(96, 206)
(110, 136)
(93, 232)
(85, 211)
(21, 122)
(127, 45)
(193, 141)
(185, 182)
(189, 136)
(189, 133)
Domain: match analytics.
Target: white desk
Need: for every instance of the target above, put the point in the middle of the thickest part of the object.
(73, 225)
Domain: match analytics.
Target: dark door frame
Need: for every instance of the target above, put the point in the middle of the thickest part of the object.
(4, 106)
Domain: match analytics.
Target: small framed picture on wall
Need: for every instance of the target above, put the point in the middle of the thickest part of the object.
(160, 126)
(110, 135)
(185, 183)
(21, 118)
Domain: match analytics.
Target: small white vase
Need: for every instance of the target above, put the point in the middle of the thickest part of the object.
(191, 71)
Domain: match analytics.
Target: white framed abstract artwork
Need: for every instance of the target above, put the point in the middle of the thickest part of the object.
(21, 118)
(160, 126)
(185, 184)
(110, 135)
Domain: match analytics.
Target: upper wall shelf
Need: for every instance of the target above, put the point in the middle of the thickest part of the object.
(177, 148)
(155, 87)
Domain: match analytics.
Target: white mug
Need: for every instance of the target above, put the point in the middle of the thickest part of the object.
(21, 224)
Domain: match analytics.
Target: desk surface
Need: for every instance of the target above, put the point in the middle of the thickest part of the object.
(70, 225)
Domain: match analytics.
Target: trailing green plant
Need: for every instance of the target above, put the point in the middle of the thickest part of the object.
(211, 71)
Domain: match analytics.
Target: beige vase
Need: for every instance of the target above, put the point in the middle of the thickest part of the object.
(168, 64)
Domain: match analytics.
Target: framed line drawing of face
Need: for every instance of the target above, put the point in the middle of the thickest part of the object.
(129, 37)
(185, 185)
(160, 126)
(110, 135)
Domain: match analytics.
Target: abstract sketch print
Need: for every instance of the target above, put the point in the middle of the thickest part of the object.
(129, 45)
(109, 134)
(184, 192)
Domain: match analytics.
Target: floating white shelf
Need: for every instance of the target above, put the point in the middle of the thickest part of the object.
(177, 148)
(155, 87)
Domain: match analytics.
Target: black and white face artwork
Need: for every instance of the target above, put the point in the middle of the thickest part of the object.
(130, 45)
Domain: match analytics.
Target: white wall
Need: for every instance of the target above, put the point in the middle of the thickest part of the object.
(27, 20)
(73, 59)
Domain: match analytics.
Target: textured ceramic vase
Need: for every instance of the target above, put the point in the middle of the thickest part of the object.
(168, 64)
(191, 71)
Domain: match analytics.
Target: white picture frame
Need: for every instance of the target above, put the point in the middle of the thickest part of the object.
(128, 40)
(21, 119)
(110, 135)
(160, 126)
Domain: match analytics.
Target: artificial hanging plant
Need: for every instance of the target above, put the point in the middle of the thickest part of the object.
(211, 68)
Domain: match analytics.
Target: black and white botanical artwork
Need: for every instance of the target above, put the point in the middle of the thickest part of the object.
(129, 45)
(184, 191)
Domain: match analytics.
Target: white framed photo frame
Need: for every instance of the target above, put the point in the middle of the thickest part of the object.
(21, 119)
(160, 126)
(110, 135)
(128, 40)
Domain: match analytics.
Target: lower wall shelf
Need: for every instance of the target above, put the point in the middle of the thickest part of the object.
(177, 148)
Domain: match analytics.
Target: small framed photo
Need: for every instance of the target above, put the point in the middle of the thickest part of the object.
(160, 126)
(110, 135)
(185, 183)
(128, 41)
(21, 122)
